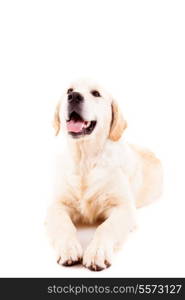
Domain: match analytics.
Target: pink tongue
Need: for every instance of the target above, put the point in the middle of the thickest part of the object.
(73, 126)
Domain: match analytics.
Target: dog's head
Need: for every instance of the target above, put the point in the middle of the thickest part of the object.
(86, 110)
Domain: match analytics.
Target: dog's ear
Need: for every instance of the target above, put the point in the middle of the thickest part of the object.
(118, 124)
(56, 121)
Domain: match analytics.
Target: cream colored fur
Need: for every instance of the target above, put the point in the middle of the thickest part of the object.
(98, 177)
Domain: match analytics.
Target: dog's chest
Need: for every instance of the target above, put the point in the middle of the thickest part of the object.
(85, 184)
(88, 191)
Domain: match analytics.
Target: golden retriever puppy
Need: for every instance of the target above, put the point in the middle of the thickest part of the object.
(98, 177)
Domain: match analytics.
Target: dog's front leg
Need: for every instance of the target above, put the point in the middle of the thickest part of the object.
(62, 234)
(120, 220)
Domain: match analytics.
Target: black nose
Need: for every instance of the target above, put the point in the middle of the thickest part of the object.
(75, 97)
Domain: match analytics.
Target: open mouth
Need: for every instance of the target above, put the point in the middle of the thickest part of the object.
(77, 126)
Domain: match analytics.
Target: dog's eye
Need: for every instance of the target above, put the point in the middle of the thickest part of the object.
(95, 93)
(69, 91)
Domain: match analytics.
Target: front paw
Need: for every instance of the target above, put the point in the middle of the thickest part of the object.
(98, 255)
(69, 252)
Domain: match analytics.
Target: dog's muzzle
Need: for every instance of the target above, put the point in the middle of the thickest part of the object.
(76, 125)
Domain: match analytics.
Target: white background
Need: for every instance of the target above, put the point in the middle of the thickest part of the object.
(137, 50)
